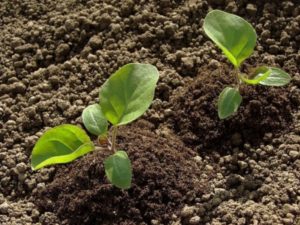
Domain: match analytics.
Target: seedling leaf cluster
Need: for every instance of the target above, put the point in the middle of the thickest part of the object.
(237, 38)
(128, 93)
(124, 97)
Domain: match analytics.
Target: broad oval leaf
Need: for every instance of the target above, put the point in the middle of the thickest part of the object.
(94, 120)
(118, 170)
(228, 102)
(277, 77)
(128, 93)
(232, 34)
(61, 144)
(260, 74)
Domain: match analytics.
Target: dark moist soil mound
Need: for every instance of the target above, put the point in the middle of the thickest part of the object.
(263, 110)
(165, 178)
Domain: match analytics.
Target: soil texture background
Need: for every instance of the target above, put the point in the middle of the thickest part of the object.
(188, 166)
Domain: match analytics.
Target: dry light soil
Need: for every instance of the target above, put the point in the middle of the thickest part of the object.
(189, 167)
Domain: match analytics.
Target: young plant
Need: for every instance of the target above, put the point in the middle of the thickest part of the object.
(124, 97)
(237, 38)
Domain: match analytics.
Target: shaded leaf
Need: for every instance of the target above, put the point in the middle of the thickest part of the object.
(232, 34)
(61, 144)
(128, 93)
(228, 102)
(118, 170)
(94, 120)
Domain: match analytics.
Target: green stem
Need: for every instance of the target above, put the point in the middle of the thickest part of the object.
(114, 138)
(236, 74)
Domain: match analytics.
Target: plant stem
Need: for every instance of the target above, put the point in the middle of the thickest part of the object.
(114, 138)
(236, 74)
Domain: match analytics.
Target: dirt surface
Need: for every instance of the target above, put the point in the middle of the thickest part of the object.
(54, 56)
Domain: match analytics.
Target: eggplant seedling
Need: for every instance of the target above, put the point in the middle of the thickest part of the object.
(124, 97)
(237, 38)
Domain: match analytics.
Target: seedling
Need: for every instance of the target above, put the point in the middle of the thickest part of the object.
(124, 97)
(237, 38)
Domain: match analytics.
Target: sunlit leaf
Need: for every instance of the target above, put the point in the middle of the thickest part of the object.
(61, 144)
(260, 74)
(232, 34)
(128, 93)
(277, 77)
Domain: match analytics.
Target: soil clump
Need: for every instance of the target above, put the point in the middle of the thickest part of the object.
(165, 178)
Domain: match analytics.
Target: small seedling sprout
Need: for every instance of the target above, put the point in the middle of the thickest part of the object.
(237, 38)
(124, 97)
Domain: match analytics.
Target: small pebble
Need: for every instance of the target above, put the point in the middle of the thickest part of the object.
(4, 208)
(294, 154)
(194, 220)
(251, 9)
(187, 211)
(21, 168)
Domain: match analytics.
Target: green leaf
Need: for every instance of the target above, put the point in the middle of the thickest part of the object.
(228, 102)
(261, 74)
(277, 77)
(128, 93)
(232, 34)
(94, 120)
(61, 144)
(118, 170)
